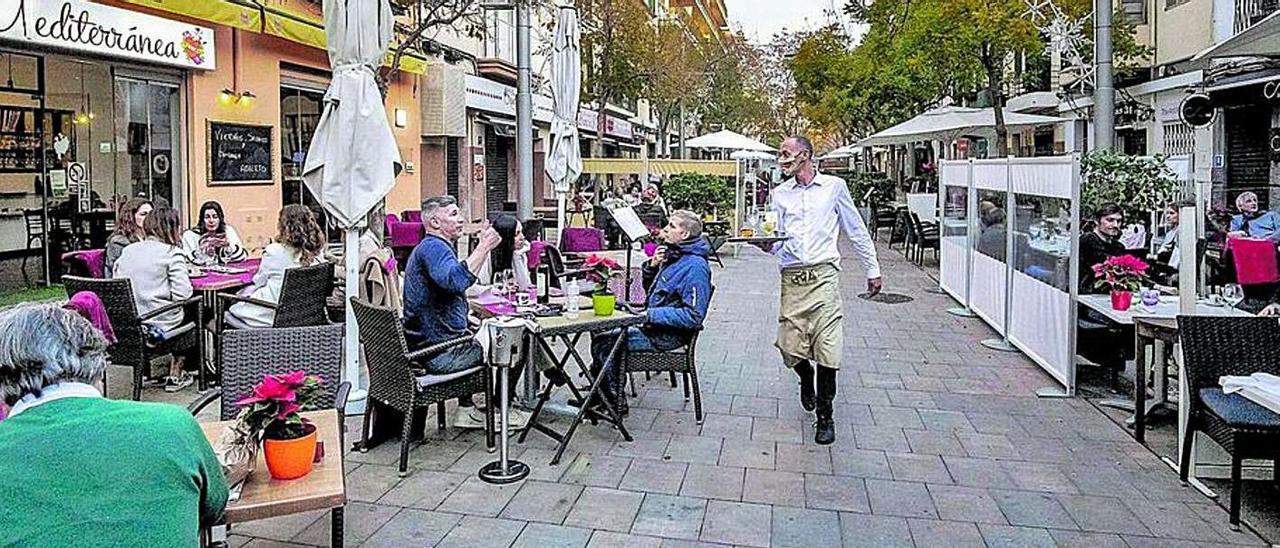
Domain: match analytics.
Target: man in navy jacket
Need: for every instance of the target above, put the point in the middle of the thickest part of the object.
(679, 282)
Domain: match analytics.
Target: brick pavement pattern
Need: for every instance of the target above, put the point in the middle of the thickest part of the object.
(939, 443)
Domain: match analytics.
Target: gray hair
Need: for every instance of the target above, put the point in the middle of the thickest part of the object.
(804, 142)
(1245, 196)
(42, 345)
(689, 221)
(431, 205)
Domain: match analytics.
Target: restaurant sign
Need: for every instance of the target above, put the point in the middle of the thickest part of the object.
(105, 30)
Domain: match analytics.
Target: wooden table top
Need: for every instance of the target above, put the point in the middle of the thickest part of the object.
(263, 497)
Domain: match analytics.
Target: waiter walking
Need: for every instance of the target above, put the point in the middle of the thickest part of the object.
(811, 209)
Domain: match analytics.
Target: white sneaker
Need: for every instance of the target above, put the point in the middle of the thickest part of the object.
(518, 419)
(176, 384)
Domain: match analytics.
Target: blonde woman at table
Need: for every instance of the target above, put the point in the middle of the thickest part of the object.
(84, 470)
(129, 219)
(298, 243)
(158, 269)
(212, 240)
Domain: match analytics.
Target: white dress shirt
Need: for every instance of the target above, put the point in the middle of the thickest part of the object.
(811, 216)
(54, 392)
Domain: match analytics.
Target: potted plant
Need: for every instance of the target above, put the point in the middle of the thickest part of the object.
(270, 417)
(1122, 275)
(599, 270)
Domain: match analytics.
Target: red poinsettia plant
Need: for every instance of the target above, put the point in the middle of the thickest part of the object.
(599, 270)
(1121, 273)
(272, 410)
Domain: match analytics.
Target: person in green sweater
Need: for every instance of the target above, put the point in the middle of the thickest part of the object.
(82, 470)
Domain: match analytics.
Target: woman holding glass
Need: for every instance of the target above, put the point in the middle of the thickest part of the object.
(508, 265)
(212, 240)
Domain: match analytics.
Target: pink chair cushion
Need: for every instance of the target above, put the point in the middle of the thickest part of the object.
(404, 234)
(583, 239)
(411, 216)
(92, 260)
(1255, 261)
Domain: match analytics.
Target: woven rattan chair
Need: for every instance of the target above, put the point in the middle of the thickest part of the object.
(133, 347)
(396, 382)
(924, 235)
(249, 354)
(675, 361)
(1214, 346)
(302, 297)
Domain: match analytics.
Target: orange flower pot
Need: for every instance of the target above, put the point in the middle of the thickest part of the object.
(290, 459)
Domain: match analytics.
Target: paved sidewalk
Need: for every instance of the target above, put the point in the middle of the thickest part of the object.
(939, 443)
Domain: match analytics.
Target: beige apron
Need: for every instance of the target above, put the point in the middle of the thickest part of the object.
(810, 320)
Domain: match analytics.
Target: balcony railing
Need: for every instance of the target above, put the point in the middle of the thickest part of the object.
(1249, 12)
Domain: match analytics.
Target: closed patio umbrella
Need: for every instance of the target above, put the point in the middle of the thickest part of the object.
(564, 164)
(353, 160)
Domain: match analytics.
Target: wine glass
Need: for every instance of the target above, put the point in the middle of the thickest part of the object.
(505, 281)
(1233, 294)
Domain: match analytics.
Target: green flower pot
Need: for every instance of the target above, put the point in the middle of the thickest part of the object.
(604, 304)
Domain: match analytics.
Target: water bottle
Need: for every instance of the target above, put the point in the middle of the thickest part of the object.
(571, 299)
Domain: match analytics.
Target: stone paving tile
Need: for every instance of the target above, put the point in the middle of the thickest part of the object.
(748, 453)
(413, 527)
(800, 527)
(1007, 536)
(1102, 515)
(896, 417)
(774, 487)
(737, 523)
(1033, 509)
(362, 520)
(369, 482)
(966, 504)
(543, 535)
(847, 461)
(934, 442)
(842, 493)
(881, 438)
(777, 430)
(868, 531)
(650, 446)
(607, 539)
(654, 476)
(712, 482)
(919, 468)
(542, 501)
(953, 534)
(1173, 520)
(1078, 539)
(424, 489)
(670, 517)
(693, 449)
(478, 532)
(283, 527)
(899, 498)
(602, 508)
(676, 422)
(673, 543)
(1039, 477)
(726, 426)
(814, 459)
(477, 498)
(747, 406)
(978, 473)
(596, 470)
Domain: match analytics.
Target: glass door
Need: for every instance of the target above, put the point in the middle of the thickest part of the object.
(149, 126)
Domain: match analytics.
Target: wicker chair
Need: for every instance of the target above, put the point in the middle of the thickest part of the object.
(394, 382)
(678, 360)
(924, 235)
(133, 347)
(302, 297)
(249, 354)
(1214, 346)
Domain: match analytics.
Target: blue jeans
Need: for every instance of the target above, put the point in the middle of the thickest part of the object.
(602, 343)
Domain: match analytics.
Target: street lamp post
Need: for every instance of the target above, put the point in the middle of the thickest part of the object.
(524, 104)
(1104, 93)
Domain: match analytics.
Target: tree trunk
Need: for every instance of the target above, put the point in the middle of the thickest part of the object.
(994, 84)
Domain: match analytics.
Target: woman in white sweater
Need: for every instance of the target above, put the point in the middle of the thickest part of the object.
(157, 268)
(212, 240)
(299, 243)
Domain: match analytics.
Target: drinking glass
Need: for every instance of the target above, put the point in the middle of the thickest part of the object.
(1233, 294)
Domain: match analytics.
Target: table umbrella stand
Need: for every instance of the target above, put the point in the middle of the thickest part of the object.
(502, 354)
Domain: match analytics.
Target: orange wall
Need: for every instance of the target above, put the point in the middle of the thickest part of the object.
(252, 209)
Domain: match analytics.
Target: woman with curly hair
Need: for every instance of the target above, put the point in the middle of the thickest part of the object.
(299, 243)
(129, 218)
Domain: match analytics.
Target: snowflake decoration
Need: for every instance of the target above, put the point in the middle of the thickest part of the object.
(1067, 37)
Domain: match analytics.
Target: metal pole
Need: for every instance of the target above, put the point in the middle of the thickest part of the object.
(1104, 93)
(524, 114)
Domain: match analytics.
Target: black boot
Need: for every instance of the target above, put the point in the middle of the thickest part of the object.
(805, 371)
(824, 432)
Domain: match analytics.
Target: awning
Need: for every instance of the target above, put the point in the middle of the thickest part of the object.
(1247, 79)
(950, 122)
(1260, 40)
(297, 21)
(606, 166)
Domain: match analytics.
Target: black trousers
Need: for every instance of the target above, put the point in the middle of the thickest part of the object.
(824, 379)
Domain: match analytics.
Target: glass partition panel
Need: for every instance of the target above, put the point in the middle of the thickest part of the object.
(991, 224)
(1042, 239)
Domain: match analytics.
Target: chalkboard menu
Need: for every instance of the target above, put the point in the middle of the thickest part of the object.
(239, 153)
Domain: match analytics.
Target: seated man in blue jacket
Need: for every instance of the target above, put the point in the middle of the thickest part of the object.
(679, 281)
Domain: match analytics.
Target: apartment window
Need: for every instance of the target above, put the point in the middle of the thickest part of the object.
(1179, 138)
(1135, 11)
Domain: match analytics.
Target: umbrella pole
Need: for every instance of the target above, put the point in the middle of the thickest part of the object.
(351, 341)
